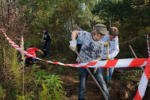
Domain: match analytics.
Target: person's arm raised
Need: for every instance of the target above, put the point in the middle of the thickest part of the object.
(73, 42)
(74, 34)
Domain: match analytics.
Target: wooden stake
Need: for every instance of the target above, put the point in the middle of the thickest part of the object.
(23, 62)
(135, 55)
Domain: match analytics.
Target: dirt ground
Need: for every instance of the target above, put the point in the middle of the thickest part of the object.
(120, 89)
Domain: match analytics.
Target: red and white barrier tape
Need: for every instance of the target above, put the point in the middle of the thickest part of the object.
(143, 82)
(148, 48)
(117, 63)
(145, 76)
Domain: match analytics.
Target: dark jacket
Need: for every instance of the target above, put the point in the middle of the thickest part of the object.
(46, 37)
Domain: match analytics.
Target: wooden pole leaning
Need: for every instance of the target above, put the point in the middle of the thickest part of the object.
(107, 72)
(135, 55)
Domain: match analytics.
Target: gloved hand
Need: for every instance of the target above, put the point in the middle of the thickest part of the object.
(73, 45)
(107, 58)
(106, 44)
(3, 30)
(94, 60)
(42, 40)
(98, 59)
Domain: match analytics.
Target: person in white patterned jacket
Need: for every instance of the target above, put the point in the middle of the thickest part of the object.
(111, 40)
(92, 49)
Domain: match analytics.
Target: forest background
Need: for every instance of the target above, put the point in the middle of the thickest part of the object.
(28, 18)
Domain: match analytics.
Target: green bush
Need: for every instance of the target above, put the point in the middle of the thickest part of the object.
(1, 91)
(51, 86)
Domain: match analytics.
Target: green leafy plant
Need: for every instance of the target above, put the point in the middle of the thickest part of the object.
(51, 86)
(1, 91)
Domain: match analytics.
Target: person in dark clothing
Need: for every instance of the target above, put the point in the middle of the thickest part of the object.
(46, 37)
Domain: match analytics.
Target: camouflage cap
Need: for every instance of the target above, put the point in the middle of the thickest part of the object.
(101, 28)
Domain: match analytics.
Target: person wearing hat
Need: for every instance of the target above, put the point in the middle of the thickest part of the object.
(111, 40)
(91, 50)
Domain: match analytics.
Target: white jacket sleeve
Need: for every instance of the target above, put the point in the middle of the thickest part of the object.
(115, 49)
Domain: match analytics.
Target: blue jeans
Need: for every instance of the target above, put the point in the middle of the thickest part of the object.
(111, 70)
(83, 75)
(46, 48)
